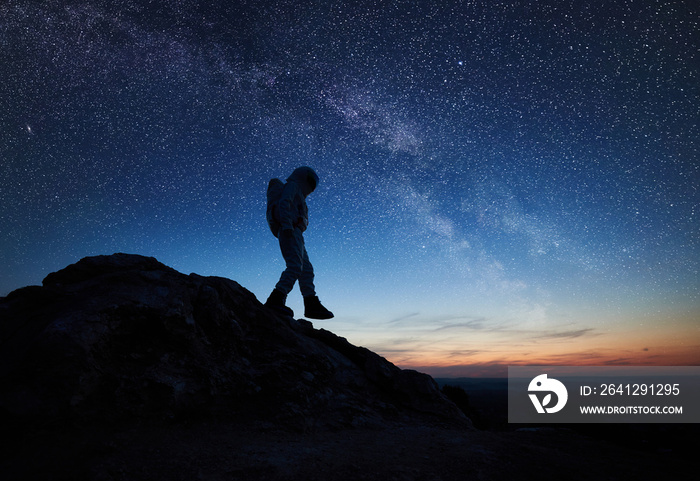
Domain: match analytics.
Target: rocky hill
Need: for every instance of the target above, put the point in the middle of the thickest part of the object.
(121, 368)
(113, 338)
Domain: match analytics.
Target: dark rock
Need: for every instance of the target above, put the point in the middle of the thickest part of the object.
(124, 337)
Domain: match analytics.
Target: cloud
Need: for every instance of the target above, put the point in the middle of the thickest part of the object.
(403, 318)
(475, 324)
(565, 334)
(620, 361)
(432, 323)
(462, 353)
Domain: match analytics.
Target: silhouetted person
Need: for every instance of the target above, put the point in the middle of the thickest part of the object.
(292, 215)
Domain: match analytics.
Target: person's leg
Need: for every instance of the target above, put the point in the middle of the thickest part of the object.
(293, 258)
(292, 247)
(299, 268)
(306, 279)
(312, 306)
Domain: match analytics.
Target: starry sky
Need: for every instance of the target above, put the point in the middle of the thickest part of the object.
(502, 182)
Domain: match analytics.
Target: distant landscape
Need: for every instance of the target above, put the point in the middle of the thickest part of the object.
(488, 398)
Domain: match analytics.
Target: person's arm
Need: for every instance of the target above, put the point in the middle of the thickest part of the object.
(286, 208)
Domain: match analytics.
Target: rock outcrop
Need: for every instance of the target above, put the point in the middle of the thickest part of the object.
(124, 337)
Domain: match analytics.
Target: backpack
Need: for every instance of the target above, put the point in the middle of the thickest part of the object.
(274, 192)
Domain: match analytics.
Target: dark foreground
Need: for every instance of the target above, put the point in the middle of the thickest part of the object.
(225, 451)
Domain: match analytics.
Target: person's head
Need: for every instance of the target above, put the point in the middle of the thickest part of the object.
(306, 178)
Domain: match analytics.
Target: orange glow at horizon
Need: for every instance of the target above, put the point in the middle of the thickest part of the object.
(489, 354)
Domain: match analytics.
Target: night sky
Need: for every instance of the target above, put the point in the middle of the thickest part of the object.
(502, 182)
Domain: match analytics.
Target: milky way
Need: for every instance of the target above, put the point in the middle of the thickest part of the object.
(493, 174)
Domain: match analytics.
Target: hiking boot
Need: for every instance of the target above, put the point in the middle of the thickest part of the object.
(276, 301)
(314, 309)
